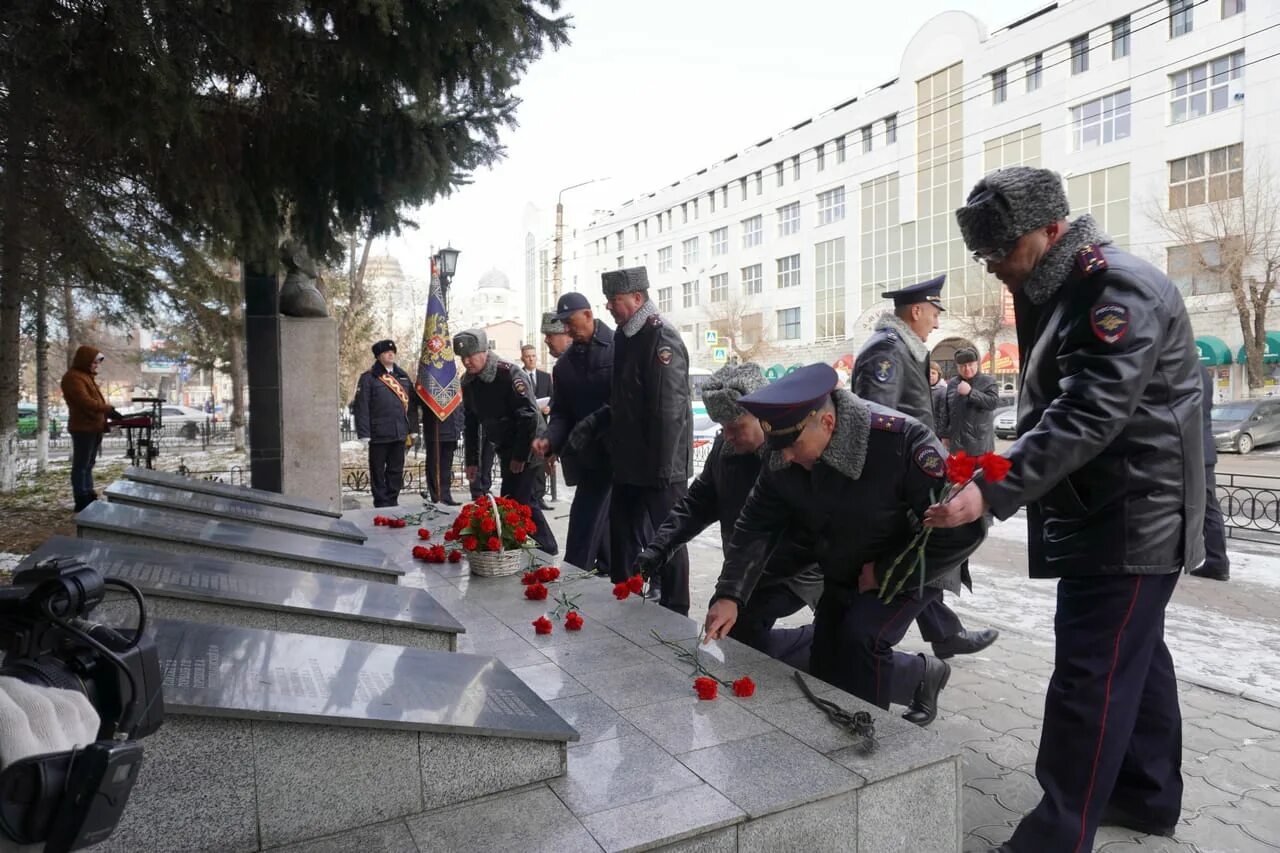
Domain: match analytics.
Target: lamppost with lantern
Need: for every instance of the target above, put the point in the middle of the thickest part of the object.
(447, 262)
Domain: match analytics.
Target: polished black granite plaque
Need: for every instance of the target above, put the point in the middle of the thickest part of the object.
(212, 670)
(232, 536)
(220, 581)
(243, 493)
(200, 503)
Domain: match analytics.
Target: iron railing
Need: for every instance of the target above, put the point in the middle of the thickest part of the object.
(1250, 506)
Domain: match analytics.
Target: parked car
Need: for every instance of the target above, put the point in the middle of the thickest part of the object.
(185, 421)
(705, 430)
(29, 422)
(1242, 425)
(1006, 422)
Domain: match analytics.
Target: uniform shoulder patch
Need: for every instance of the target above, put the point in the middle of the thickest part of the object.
(654, 320)
(930, 461)
(882, 369)
(1109, 321)
(1090, 260)
(519, 385)
(888, 423)
(664, 355)
(502, 365)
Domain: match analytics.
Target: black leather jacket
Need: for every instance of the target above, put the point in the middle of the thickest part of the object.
(894, 373)
(500, 400)
(1109, 458)
(651, 418)
(582, 378)
(860, 504)
(968, 422)
(718, 495)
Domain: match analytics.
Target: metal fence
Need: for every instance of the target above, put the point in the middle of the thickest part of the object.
(1250, 506)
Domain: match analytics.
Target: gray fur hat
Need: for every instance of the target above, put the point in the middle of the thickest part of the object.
(629, 280)
(726, 385)
(470, 342)
(966, 355)
(552, 326)
(1009, 203)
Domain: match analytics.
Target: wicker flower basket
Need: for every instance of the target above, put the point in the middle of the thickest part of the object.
(496, 564)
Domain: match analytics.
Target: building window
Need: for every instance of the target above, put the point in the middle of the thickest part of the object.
(742, 185)
(664, 259)
(1080, 54)
(1208, 88)
(795, 168)
(1232, 7)
(780, 172)
(1034, 69)
(840, 146)
(1104, 195)
(664, 299)
(720, 287)
(684, 213)
(696, 214)
(1020, 148)
(752, 279)
(865, 133)
(831, 206)
(1198, 269)
(999, 86)
(1180, 22)
(752, 231)
(1120, 38)
(1209, 176)
(789, 324)
(621, 243)
(759, 183)
(659, 222)
(1100, 121)
(689, 294)
(711, 200)
(720, 242)
(724, 196)
(689, 249)
(820, 156)
(789, 219)
(891, 129)
(622, 261)
(828, 289)
(635, 232)
(789, 271)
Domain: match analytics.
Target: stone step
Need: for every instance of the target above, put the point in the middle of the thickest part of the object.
(201, 505)
(230, 592)
(276, 738)
(112, 522)
(225, 490)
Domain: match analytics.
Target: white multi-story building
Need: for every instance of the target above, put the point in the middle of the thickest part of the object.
(786, 246)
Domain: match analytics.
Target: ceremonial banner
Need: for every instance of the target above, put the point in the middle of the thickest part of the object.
(437, 382)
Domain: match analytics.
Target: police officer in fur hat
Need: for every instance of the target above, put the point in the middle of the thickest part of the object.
(1110, 466)
(386, 410)
(497, 398)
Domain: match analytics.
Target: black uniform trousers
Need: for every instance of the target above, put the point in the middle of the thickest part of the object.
(937, 622)
(520, 487)
(484, 479)
(635, 514)
(386, 471)
(755, 628)
(440, 470)
(853, 638)
(588, 540)
(1112, 730)
(1215, 533)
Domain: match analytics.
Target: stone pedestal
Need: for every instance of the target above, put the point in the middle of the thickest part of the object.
(311, 464)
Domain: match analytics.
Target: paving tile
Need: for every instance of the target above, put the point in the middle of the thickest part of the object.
(549, 681)
(393, 837)
(618, 772)
(592, 717)
(611, 652)
(1256, 818)
(917, 811)
(1210, 835)
(984, 810)
(1015, 790)
(688, 723)
(665, 819)
(804, 721)
(641, 684)
(507, 822)
(721, 841)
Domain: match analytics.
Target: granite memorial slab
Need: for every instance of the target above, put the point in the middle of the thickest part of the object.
(230, 592)
(204, 505)
(316, 736)
(233, 540)
(226, 490)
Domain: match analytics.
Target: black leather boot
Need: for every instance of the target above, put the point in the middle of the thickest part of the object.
(924, 706)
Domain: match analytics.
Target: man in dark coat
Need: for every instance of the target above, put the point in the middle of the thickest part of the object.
(791, 578)
(386, 410)
(893, 370)
(1110, 466)
(853, 478)
(1217, 565)
(498, 399)
(540, 383)
(439, 443)
(582, 377)
(966, 418)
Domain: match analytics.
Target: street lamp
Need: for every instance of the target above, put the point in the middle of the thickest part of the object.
(557, 263)
(448, 261)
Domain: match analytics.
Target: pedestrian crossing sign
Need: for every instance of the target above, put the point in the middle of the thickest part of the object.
(711, 337)
(720, 355)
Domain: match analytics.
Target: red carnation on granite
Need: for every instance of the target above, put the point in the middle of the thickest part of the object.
(635, 584)
(536, 592)
(744, 687)
(450, 535)
(455, 556)
(546, 574)
(541, 625)
(396, 522)
(424, 533)
(573, 621)
(705, 687)
(379, 520)
(529, 578)
(621, 591)
(419, 553)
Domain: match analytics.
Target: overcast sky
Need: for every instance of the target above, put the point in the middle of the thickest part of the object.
(650, 92)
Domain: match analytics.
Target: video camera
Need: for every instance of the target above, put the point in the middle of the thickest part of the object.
(69, 800)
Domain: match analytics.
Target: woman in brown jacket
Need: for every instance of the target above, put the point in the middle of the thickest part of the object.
(87, 417)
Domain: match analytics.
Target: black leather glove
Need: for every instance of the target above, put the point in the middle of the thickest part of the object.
(649, 561)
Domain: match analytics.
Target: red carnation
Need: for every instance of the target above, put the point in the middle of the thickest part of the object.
(470, 543)
(437, 554)
(379, 520)
(494, 544)
(744, 687)
(960, 467)
(706, 687)
(527, 512)
(424, 533)
(511, 518)
(535, 592)
(573, 621)
(419, 553)
(548, 573)
(635, 583)
(488, 525)
(399, 522)
(455, 556)
(621, 591)
(520, 537)
(994, 467)
(450, 535)
(542, 625)
(529, 579)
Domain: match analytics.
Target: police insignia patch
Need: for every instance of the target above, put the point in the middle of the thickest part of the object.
(664, 355)
(930, 461)
(884, 370)
(1110, 321)
(519, 385)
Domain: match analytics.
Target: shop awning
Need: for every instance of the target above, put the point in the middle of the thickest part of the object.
(1006, 359)
(773, 372)
(792, 369)
(1270, 355)
(1213, 351)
